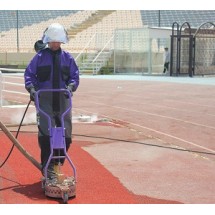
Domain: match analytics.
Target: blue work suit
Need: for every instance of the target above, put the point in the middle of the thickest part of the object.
(52, 70)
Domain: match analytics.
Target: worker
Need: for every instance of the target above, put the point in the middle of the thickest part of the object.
(52, 68)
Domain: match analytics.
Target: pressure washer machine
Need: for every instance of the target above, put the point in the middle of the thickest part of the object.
(62, 186)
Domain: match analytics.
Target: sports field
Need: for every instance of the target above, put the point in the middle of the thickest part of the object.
(136, 140)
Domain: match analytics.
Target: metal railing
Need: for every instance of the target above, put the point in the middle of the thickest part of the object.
(102, 57)
(85, 47)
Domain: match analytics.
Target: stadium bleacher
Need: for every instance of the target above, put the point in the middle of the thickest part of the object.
(84, 30)
(33, 22)
(32, 31)
(165, 18)
(8, 18)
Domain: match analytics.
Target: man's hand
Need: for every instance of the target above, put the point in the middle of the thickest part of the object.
(32, 94)
(70, 87)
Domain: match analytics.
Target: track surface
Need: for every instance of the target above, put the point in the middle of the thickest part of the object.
(158, 119)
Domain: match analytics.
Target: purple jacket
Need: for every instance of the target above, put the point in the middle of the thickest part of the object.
(39, 72)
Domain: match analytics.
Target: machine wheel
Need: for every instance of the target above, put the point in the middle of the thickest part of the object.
(65, 198)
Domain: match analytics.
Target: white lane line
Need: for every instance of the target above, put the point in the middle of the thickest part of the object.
(15, 77)
(190, 103)
(169, 135)
(157, 115)
(17, 106)
(174, 101)
(150, 129)
(9, 91)
(167, 107)
(12, 83)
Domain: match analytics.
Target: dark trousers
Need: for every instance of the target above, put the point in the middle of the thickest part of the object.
(44, 143)
(166, 67)
(46, 104)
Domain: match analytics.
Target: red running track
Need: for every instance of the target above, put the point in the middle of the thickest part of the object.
(20, 180)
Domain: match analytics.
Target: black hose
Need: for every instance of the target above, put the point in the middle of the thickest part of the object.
(142, 143)
(17, 133)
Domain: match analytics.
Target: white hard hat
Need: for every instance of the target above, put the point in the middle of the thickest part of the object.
(55, 33)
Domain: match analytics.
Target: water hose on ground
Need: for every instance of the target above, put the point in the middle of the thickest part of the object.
(19, 146)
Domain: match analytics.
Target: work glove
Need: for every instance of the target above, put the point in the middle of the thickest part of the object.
(70, 87)
(32, 93)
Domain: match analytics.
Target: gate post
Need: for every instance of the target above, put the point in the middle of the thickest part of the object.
(172, 46)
